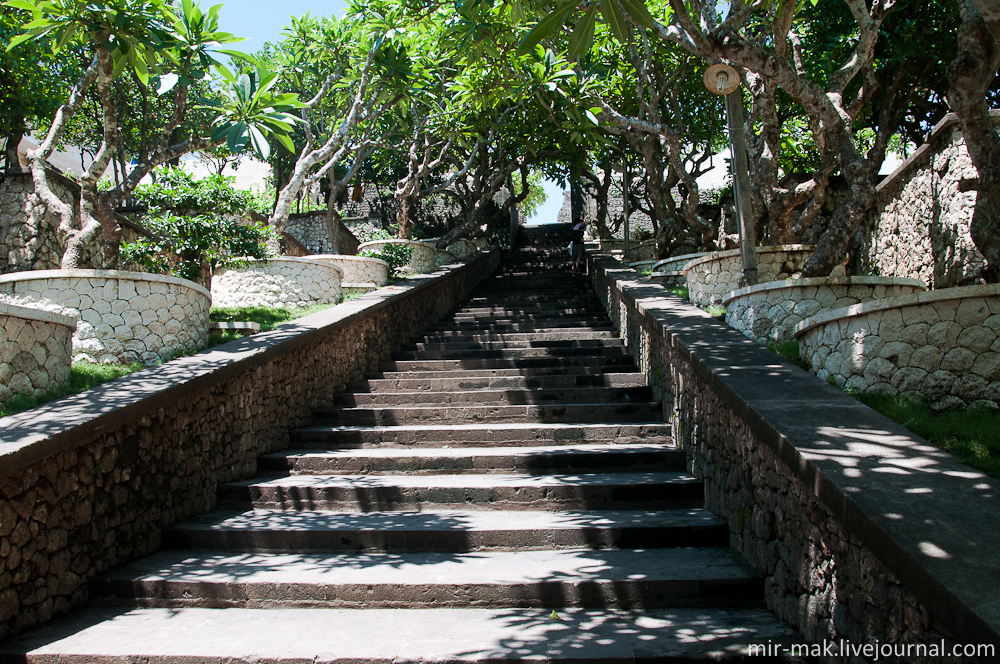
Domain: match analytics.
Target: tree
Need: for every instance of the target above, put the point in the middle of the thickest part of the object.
(168, 47)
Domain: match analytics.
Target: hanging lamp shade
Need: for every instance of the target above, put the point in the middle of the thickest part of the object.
(721, 79)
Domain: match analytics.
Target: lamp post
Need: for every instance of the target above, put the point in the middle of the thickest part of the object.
(625, 183)
(723, 80)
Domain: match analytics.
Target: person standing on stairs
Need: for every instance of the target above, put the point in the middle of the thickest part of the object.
(576, 245)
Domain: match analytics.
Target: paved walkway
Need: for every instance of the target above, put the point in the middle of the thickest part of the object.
(503, 488)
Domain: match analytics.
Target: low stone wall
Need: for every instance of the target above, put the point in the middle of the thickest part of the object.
(422, 259)
(309, 228)
(862, 530)
(940, 347)
(122, 317)
(770, 311)
(277, 282)
(89, 482)
(677, 263)
(642, 266)
(356, 269)
(443, 257)
(29, 237)
(36, 351)
(638, 251)
(710, 277)
(670, 279)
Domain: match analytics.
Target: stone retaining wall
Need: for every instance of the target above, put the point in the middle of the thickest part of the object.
(122, 317)
(770, 311)
(710, 277)
(940, 347)
(924, 210)
(309, 228)
(862, 530)
(356, 269)
(277, 282)
(89, 482)
(677, 263)
(29, 237)
(36, 351)
(422, 259)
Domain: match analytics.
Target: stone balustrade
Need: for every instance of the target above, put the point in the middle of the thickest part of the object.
(122, 317)
(710, 277)
(940, 347)
(423, 256)
(770, 311)
(277, 282)
(36, 351)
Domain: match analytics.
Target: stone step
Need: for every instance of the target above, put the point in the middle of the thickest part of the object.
(547, 369)
(560, 311)
(590, 361)
(469, 396)
(583, 578)
(380, 493)
(457, 336)
(447, 530)
(500, 460)
(505, 434)
(642, 411)
(398, 636)
(491, 353)
(545, 320)
(541, 325)
(490, 382)
(503, 345)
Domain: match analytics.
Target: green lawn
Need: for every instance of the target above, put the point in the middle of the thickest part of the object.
(268, 318)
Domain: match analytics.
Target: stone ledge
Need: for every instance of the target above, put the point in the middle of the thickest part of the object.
(730, 253)
(234, 325)
(821, 281)
(677, 259)
(251, 262)
(101, 274)
(927, 297)
(33, 435)
(37, 314)
(931, 520)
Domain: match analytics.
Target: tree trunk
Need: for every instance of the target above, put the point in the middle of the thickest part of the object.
(404, 206)
(10, 151)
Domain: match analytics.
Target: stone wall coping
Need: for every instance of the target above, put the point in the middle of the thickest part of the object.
(342, 257)
(35, 434)
(668, 273)
(933, 521)
(638, 263)
(286, 259)
(822, 281)
(33, 275)
(28, 313)
(676, 259)
(730, 253)
(365, 245)
(915, 299)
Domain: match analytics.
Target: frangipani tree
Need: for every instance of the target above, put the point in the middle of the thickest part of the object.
(168, 46)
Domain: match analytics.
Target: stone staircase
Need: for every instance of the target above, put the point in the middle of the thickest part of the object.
(503, 488)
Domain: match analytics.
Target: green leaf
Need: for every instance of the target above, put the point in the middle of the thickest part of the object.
(612, 14)
(637, 10)
(244, 87)
(20, 39)
(237, 138)
(583, 34)
(545, 27)
(285, 141)
(20, 4)
(166, 83)
(260, 144)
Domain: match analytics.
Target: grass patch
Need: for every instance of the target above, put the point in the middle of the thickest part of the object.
(267, 317)
(715, 310)
(971, 435)
(681, 292)
(83, 376)
(788, 350)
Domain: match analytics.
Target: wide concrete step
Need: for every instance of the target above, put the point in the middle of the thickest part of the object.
(499, 460)
(515, 353)
(539, 322)
(509, 363)
(490, 382)
(397, 636)
(447, 530)
(546, 369)
(642, 411)
(456, 336)
(505, 434)
(586, 578)
(502, 327)
(510, 345)
(553, 309)
(379, 493)
(468, 396)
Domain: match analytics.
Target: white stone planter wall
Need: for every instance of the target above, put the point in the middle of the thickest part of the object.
(122, 316)
(940, 347)
(423, 257)
(710, 277)
(36, 351)
(642, 266)
(357, 269)
(277, 282)
(770, 311)
(444, 257)
(677, 263)
(670, 279)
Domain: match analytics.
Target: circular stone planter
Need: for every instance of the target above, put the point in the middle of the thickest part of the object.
(710, 277)
(940, 347)
(122, 317)
(677, 263)
(422, 259)
(640, 266)
(643, 251)
(278, 282)
(770, 311)
(669, 279)
(36, 351)
(357, 269)
(444, 257)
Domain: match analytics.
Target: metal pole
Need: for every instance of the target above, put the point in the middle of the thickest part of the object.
(514, 221)
(625, 178)
(741, 183)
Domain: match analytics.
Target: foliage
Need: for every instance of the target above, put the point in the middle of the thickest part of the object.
(178, 190)
(396, 255)
(972, 435)
(185, 244)
(790, 351)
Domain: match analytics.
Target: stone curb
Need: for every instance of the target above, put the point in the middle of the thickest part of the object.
(59, 425)
(729, 253)
(927, 297)
(37, 314)
(822, 281)
(931, 520)
(35, 275)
